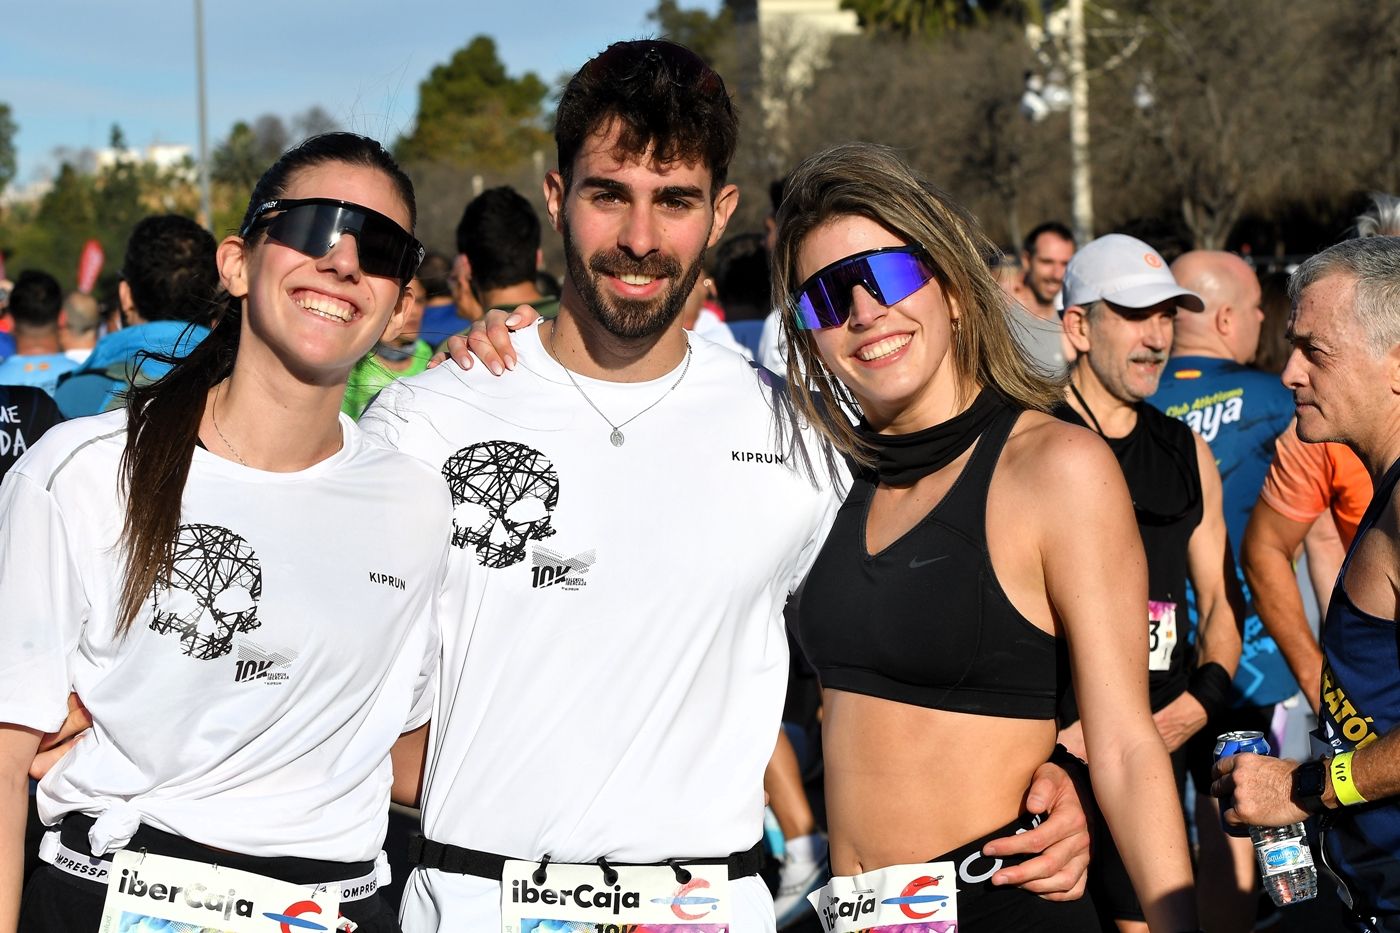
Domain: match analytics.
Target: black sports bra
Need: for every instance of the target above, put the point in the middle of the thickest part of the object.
(925, 621)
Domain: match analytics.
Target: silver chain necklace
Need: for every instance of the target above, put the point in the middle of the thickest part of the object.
(617, 437)
(214, 416)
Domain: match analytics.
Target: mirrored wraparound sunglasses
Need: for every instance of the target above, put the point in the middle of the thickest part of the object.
(890, 275)
(314, 226)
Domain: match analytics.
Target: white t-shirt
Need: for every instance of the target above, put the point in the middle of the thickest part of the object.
(772, 343)
(1043, 340)
(252, 704)
(613, 646)
(709, 326)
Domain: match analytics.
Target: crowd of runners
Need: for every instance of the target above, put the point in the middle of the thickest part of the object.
(954, 562)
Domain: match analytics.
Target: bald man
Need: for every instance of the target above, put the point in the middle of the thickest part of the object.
(1230, 327)
(1239, 412)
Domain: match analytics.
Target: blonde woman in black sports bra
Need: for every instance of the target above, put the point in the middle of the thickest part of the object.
(986, 550)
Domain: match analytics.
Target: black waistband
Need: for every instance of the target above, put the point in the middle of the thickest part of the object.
(974, 869)
(425, 853)
(73, 832)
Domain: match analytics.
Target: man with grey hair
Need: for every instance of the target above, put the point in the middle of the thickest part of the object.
(77, 326)
(1121, 304)
(1345, 375)
(1239, 411)
(1326, 475)
(1382, 218)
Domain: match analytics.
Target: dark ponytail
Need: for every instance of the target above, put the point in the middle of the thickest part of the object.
(163, 417)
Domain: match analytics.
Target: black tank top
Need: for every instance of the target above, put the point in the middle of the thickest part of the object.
(925, 621)
(1158, 458)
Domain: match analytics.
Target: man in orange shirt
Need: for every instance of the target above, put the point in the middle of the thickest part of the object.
(1304, 482)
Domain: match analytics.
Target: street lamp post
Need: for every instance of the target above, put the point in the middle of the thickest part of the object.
(1063, 40)
(205, 206)
(1081, 182)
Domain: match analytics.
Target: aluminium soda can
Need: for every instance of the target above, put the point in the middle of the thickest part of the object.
(1246, 742)
(1285, 861)
(1241, 743)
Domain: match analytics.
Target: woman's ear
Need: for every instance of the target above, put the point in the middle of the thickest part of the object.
(394, 326)
(232, 259)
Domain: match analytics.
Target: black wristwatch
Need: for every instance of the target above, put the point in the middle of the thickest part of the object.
(1309, 784)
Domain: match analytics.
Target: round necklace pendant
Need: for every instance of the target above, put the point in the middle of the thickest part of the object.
(616, 438)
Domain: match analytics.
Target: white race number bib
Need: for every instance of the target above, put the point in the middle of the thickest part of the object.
(1161, 635)
(155, 892)
(922, 897)
(578, 899)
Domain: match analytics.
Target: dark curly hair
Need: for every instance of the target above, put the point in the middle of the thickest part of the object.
(170, 269)
(499, 234)
(664, 98)
(36, 299)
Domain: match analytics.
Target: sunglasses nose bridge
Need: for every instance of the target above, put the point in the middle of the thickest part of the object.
(343, 255)
(866, 305)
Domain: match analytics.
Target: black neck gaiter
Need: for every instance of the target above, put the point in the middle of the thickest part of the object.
(901, 459)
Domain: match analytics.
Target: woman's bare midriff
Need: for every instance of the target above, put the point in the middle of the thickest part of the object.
(905, 784)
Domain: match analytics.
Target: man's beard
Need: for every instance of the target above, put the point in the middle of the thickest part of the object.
(1122, 388)
(627, 318)
(1044, 299)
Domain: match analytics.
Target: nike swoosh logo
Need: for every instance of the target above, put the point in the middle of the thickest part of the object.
(915, 563)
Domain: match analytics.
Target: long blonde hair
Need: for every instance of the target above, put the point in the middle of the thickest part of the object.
(870, 181)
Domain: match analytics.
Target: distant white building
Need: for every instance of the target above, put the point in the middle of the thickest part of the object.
(164, 156)
(31, 193)
(783, 43)
(167, 157)
(822, 17)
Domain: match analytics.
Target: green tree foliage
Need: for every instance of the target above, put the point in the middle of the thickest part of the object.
(82, 205)
(312, 122)
(929, 19)
(8, 164)
(239, 160)
(119, 201)
(236, 161)
(50, 235)
(708, 36)
(66, 218)
(472, 114)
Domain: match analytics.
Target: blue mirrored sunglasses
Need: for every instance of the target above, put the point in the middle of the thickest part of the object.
(890, 275)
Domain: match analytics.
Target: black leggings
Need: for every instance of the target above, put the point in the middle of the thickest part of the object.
(986, 908)
(57, 902)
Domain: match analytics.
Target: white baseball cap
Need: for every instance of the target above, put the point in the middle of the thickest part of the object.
(1125, 271)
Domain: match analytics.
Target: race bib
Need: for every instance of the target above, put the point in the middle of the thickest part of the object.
(643, 899)
(155, 892)
(921, 898)
(1161, 635)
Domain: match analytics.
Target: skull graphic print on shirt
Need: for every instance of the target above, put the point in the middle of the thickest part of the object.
(212, 593)
(503, 496)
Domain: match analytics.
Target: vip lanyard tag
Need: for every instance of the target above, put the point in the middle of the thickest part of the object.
(156, 892)
(921, 898)
(556, 897)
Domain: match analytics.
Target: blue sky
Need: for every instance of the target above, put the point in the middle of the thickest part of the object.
(70, 69)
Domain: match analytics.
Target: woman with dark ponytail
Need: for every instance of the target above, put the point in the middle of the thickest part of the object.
(238, 586)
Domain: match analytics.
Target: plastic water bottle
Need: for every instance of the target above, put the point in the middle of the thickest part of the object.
(1285, 862)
